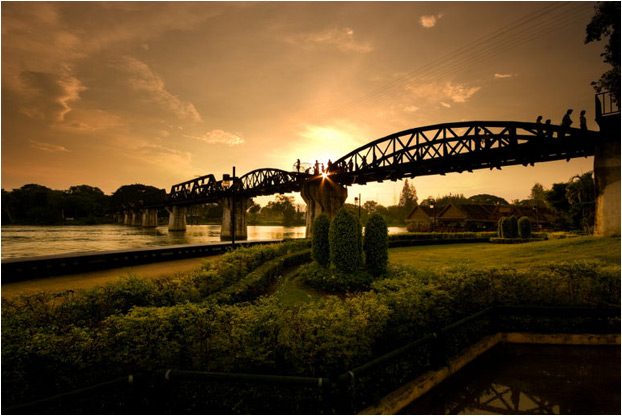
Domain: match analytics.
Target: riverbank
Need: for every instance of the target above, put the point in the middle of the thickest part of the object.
(101, 277)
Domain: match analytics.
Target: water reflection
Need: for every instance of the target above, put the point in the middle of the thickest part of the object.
(523, 379)
(26, 241)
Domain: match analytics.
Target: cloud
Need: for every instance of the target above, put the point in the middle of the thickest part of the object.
(341, 38)
(444, 104)
(411, 109)
(459, 93)
(143, 79)
(430, 21)
(503, 76)
(437, 92)
(220, 137)
(47, 95)
(47, 147)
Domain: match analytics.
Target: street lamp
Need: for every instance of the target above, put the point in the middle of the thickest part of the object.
(433, 206)
(229, 182)
(358, 201)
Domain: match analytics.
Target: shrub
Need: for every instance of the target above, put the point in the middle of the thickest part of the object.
(513, 227)
(332, 280)
(321, 248)
(524, 227)
(508, 227)
(376, 245)
(344, 238)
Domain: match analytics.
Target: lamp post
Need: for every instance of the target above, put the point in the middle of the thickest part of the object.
(433, 206)
(358, 201)
(226, 182)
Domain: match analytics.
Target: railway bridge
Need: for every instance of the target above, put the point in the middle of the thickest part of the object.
(430, 150)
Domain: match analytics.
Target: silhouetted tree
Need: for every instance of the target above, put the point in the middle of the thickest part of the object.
(606, 23)
(486, 199)
(408, 200)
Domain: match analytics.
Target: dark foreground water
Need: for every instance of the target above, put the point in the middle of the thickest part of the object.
(26, 241)
(527, 379)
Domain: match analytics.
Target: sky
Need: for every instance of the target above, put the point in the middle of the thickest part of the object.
(116, 93)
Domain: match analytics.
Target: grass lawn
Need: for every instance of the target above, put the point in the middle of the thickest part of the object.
(477, 255)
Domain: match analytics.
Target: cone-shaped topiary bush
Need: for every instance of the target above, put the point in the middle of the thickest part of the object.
(344, 238)
(376, 245)
(513, 227)
(524, 227)
(319, 241)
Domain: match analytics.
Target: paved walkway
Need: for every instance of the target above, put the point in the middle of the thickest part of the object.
(87, 280)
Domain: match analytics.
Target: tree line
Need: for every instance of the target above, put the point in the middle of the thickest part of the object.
(573, 201)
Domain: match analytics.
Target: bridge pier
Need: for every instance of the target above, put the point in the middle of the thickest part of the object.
(177, 218)
(149, 218)
(127, 218)
(322, 196)
(137, 218)
(241, 205)
(607, 177)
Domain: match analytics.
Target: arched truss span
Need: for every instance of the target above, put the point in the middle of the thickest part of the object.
(458, 147)
(201, 189)
(268, 181)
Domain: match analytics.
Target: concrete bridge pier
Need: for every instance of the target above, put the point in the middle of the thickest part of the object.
(607, 177)
(137, 218)
(177, 218)
(241, 205)
(322, 196)
(127, 218)
(150, 218)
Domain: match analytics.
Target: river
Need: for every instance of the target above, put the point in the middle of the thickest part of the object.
(32, 240)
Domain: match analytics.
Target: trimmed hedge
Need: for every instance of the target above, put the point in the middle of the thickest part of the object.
(321, 248)
(376, 245)
(524, 227)
(345, 241)
(257, 282)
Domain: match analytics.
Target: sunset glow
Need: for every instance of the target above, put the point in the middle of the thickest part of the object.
(109, 94)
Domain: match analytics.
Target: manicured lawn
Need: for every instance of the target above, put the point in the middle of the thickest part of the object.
(606, 250)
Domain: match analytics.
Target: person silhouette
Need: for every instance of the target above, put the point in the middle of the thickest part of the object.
(566, 122)
(350, 165)
(298, 165)
(547, 128)
(539, 128)
(316, 170)
(330, 166)
(582, 121)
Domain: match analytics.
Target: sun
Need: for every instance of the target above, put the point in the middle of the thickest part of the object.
(324, 175)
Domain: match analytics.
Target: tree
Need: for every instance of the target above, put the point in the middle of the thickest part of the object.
(128, 195)
(580, 193)
(606, 22)
(344, 237)
(537, 197)
(408, 200)
(320, 244)
(486, 199)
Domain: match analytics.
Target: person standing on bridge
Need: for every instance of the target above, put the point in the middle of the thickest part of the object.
(316, 168)
(539, 127)
(298, 165)
(547, 128)
(582, 121)
(566, 122)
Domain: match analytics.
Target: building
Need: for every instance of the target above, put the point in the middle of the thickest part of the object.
(473, 217)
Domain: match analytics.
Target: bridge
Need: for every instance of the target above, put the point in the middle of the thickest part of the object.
(431, 150)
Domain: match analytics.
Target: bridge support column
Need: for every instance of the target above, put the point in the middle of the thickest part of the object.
(127, 218)
(177, 218)
(322, 196)
(137, 218)
(150, 218)
(607, 177)
(241, 205)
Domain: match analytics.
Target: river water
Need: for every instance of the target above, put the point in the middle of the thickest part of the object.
(27, 241)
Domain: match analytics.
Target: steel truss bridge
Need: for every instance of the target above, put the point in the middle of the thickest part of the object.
(422, 151)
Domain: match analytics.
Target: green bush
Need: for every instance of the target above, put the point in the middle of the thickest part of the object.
(345, 238)
(508, 227)
(331, 280)
(524, 227)
(321, 247)
(376, 245)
